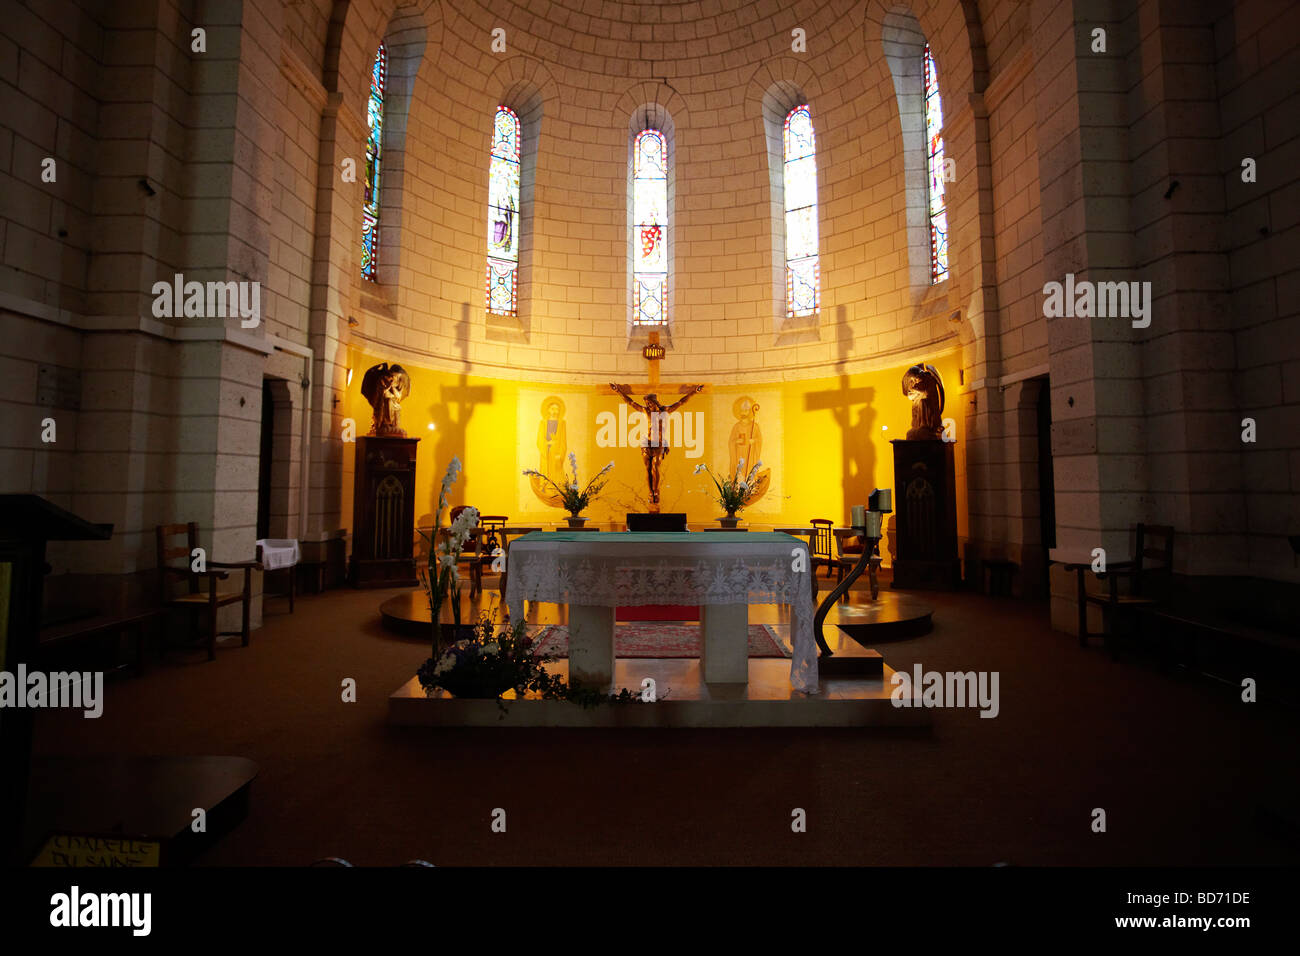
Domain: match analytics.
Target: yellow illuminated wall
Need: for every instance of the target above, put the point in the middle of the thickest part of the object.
(827, 443)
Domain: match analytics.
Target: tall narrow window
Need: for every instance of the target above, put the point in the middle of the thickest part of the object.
(650, 225)
(938, 211)
(374, 149)
(503, 215)
(802, 262)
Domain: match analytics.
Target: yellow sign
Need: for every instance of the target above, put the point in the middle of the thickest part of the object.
(71, 850)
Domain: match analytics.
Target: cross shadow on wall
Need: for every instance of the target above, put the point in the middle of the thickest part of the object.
(451, 415)
(852, 411)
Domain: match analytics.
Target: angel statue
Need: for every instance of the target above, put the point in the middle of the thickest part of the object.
(385, 386)
(921, 384)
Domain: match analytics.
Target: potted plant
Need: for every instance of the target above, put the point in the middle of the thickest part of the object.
(734, 491)
(575, 501)
(441, 579)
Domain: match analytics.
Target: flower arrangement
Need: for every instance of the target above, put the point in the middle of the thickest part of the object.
(441, 579)
(495, 659)
(491, 662)
(734, 491)
(573, 500)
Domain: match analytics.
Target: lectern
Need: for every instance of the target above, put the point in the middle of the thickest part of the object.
(383, 513)
(27, 522)
(925, 503)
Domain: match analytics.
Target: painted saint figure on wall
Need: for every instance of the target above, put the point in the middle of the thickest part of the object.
(552, 442)
(745, 443)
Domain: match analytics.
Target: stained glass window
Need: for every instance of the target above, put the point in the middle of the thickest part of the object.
(650, 228)
(802, 262)
(503, 215)
(374, 149)
(938, 210)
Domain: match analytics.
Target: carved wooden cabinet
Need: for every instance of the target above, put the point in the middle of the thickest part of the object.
(383, 513)
(925, 505)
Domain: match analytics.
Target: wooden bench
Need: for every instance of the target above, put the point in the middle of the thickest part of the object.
(84, 629)
(1229, 640)
(998, 573)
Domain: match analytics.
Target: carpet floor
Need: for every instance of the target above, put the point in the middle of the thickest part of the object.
(1186, 772)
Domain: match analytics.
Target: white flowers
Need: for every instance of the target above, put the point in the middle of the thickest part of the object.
(453, 472)
(700, 468)
(465, 522)
(491, 647)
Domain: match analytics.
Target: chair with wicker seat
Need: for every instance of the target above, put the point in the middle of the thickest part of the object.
(479, 550)
(196, 598)
(851, 546)
(489, 541)
(821, 550)
(1148, 574)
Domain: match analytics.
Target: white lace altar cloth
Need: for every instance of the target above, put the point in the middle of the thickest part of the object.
(637, 568)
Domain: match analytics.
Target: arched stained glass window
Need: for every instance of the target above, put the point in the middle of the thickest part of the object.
(503, 215)
(938, 210)
(802, 261)
(650, 228)
(374, 150)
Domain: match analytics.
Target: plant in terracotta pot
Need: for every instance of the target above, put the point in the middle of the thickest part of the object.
(734, 491)
(573, 497)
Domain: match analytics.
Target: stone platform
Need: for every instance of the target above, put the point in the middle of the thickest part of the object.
(892, 617)
(685, 700)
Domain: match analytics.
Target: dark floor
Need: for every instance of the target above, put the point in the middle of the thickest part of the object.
(1181, 766)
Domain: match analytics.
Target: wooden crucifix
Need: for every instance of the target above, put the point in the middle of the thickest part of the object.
(655, 447)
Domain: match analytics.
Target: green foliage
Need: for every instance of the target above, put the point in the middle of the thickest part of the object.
(734, 491)
(499, 658)
(575, 500)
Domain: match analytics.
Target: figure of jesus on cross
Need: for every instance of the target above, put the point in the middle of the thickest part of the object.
(655, 447)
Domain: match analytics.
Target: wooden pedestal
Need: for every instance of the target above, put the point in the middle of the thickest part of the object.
(383, 513)
(925, 501)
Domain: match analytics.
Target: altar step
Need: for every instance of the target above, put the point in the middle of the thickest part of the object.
(684, 700)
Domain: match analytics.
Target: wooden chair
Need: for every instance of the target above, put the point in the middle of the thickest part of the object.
(1149, 573)
(821, 551)
(485, 539)
(489, 539)
(851, 546)
(198, 599)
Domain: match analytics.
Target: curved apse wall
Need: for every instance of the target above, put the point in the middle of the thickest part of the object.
(578, 82)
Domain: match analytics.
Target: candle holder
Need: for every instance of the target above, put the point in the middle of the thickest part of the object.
(869, 542)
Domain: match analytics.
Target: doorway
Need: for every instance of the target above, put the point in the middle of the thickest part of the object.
(1046, 484)
(264, 462)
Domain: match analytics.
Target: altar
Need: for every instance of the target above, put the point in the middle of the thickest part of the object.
(723, 572)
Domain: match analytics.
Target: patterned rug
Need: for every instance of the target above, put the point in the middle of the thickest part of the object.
(658, 639)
